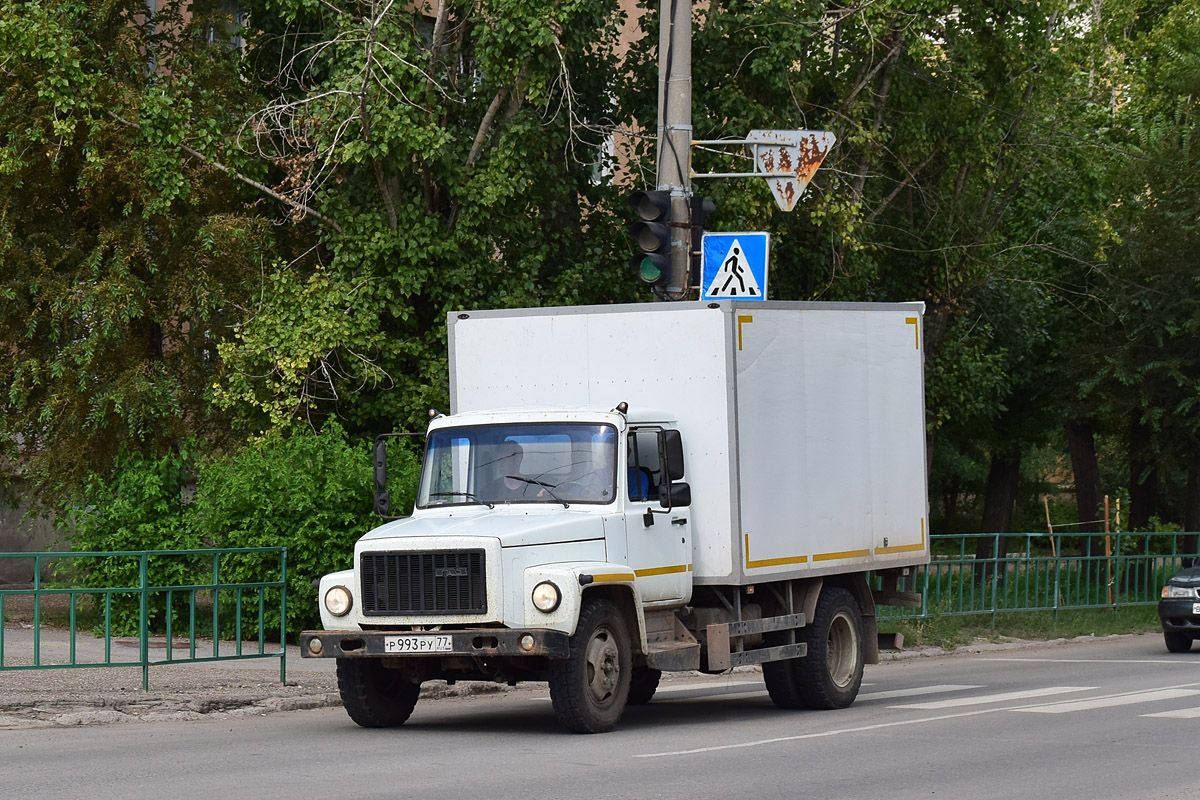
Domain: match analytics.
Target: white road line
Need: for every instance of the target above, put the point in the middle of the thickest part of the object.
(1112, 701)
(978, 700)
(1160, 661)
(917, 691)
(1183, 713)
(841, 731)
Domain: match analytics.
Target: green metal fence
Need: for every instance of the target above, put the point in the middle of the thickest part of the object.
(1004, 573)
(191, 599)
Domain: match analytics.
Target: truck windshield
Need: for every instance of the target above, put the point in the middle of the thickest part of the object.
(560, 463)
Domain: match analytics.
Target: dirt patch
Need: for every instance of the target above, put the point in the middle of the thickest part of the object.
(19, 604)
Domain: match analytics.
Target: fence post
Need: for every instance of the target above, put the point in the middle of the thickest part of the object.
(283, 617)
(144, 618)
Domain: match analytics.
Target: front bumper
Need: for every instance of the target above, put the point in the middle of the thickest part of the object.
(1180, 615)
(470, 642)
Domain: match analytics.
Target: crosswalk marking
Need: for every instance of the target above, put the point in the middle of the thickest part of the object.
(1111, 701)
(995, 698)
(1183, 713)
(917, 691)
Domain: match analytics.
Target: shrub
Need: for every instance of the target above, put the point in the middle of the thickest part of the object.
(309, 493)
(140, 508)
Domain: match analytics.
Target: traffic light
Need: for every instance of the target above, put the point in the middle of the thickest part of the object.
(702, 209)
(652, 233)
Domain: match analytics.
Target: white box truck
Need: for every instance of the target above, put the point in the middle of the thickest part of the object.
(623, 490)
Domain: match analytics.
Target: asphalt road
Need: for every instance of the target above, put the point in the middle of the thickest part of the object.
(1114, 718)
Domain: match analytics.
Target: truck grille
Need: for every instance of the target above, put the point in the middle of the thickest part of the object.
(449, 582)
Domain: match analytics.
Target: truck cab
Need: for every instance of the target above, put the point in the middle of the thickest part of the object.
(518, 515)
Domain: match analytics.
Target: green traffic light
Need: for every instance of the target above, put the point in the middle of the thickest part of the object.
(649, 272)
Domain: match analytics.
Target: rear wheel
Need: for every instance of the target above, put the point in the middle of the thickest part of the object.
(780, 676)
(1177, 642)
(643, 684)
(831, 674)
(590, 687)
(373, 695)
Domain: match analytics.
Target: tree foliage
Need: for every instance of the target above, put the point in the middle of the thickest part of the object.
(218, 233)
(459, 160)
(124, 260)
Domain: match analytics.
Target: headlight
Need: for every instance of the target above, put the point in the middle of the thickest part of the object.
(1178, 591)
(339, 601)
(546, 597)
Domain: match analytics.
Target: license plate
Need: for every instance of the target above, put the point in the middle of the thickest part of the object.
(435, 643)
(1196, 609)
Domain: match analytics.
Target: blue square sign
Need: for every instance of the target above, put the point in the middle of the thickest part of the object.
(734, 265)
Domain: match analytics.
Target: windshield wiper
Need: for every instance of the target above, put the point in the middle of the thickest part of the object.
(549, 487)
(467, 495)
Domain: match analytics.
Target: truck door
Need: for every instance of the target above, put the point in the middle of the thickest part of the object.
(660, 553)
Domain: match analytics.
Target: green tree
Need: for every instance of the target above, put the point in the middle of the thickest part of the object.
(125, 255)
(459, 162)
(965, 175)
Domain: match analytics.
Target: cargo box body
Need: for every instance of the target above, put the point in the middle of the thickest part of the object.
(803, 423)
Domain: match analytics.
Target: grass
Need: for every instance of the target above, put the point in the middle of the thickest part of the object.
(948, 632)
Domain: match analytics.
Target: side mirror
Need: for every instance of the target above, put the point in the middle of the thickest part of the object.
(383, 504)
(675, 495)
(673, 447)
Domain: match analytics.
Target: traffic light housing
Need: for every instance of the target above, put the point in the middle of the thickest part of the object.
(652, 234)
(702, 209)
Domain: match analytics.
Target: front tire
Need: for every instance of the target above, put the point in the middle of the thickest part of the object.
(589, 688)
(1177, 642)
(831, 674)
(373, 695)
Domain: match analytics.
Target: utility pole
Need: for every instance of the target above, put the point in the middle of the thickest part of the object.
(675, 136)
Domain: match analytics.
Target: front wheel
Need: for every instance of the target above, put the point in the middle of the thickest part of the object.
(373, 695)
(590, 687)
(831, 674)
(1177, 642)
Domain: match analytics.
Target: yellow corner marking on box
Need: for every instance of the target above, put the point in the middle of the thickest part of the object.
(904, 548)
(771, 562)
(743, 319)
(916, 323)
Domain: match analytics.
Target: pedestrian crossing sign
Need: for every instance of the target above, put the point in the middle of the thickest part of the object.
(734, 265)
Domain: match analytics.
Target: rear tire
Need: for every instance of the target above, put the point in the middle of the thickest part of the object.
(373, 695)
(642, 685)
(830, 675)
(589, 688)
(1177, 642)
(780, 676)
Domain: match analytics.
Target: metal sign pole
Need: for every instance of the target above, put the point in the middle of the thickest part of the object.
(675, 135)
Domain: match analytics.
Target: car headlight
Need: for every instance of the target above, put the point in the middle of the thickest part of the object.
(546, 597)
(339, 601)
(1177, 591)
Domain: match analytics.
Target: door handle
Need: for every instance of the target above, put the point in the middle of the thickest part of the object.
(679, 521)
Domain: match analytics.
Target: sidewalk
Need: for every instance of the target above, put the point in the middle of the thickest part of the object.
(97, 695)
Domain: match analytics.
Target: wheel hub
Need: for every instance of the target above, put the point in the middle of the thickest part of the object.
(603, 666)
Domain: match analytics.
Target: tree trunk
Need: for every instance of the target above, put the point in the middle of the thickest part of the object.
(1143, 478)
(1081, 444)
(1191, 511)
(998, 506)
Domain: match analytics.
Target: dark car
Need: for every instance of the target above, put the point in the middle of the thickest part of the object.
(1179, 610)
